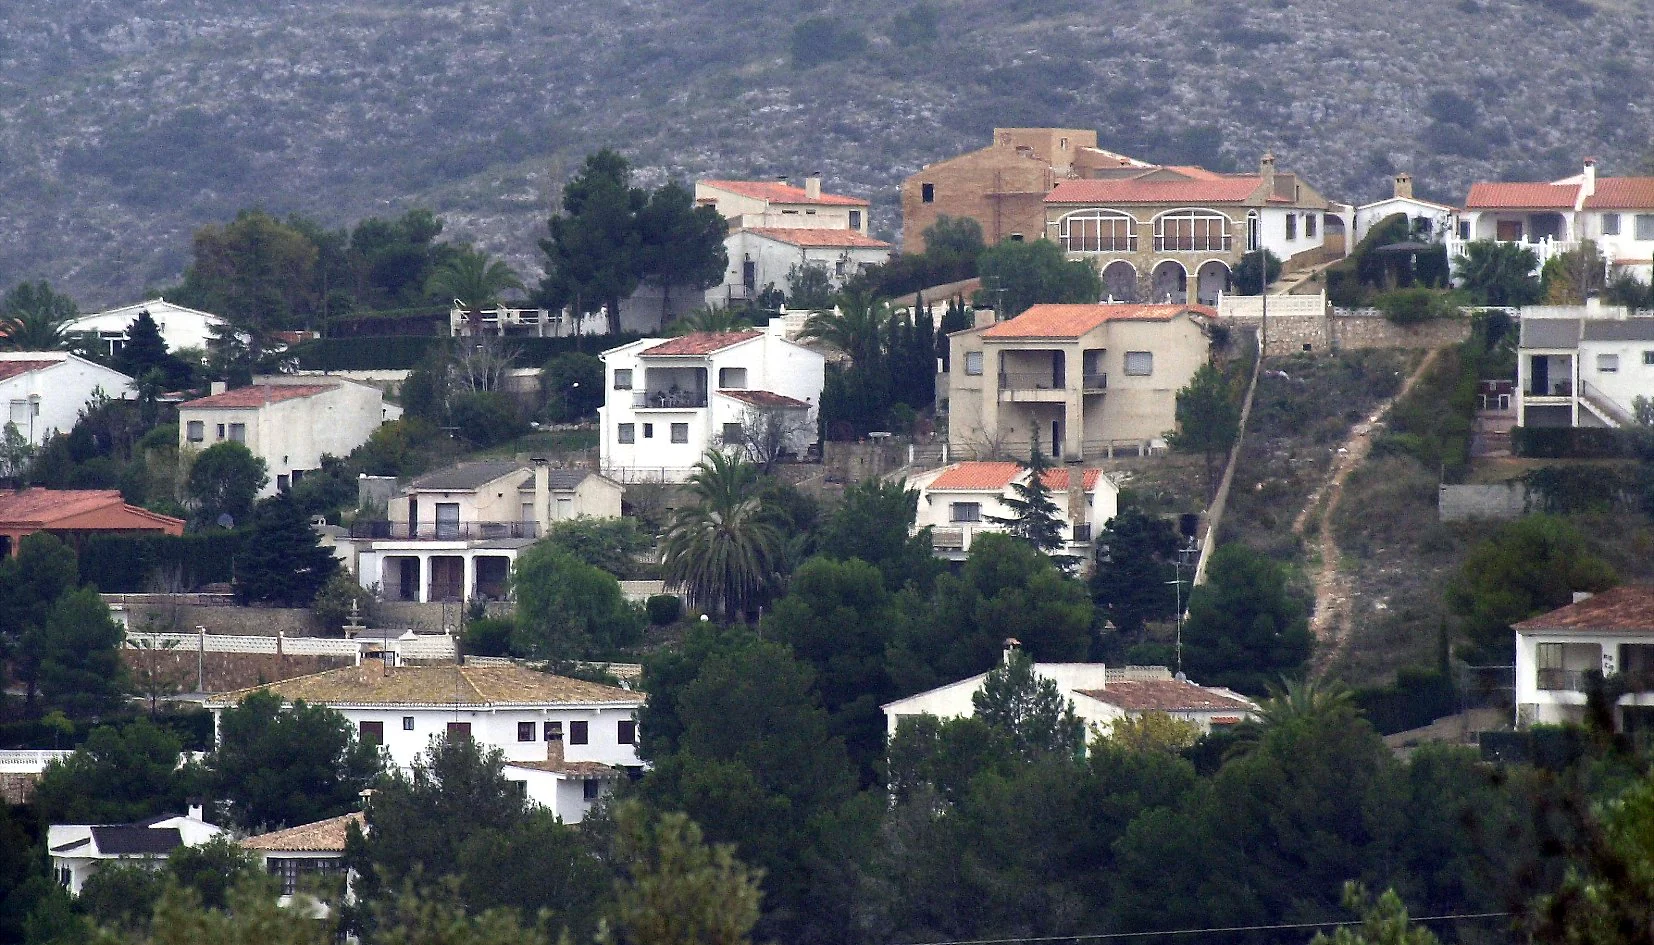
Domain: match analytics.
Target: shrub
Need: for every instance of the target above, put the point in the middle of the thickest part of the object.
(488, 636)
(1416, 305)
(486, 418)
(664, 609)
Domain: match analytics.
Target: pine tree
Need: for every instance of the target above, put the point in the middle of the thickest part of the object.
(144, 350)
(284, 562)
(1034, 517)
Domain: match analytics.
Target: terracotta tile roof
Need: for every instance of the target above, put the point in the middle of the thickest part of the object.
(1218, 189)
(1496, 195)
(11, 369)
(492, 684)
(1622, 193)
(1072, 321)
(585, 769)
(1198, 173)
(777, 192)
(257, 395)
(41, 507)
(323, 836)
(765, 398)
(699, 342)
(981, 476)
(812, 236)
(1627, 607)
(1166, 695)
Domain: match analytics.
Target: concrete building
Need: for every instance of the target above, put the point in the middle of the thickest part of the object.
(1559, 653)
(1583, 371)
(74, 514)
(180, 327)
(1079, 381)
(1435, 222)
(80, 850)
(290, 423)
(960, 501)
(669, 400)
(1551, 218)
(567, 741)
(46, 391)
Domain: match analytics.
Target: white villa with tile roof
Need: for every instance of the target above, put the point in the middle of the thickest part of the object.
(567, 741)
(960, 501)
(307, 850)
(1554, 217)
(79, 850)
(669, 400)
(44, 392)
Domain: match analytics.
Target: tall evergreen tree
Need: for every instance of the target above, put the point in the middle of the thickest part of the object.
(594, 255)
(144, 349)
(1208, 421)
(1034, 517)
(284, 562)
(683, 245)
(1029, 709)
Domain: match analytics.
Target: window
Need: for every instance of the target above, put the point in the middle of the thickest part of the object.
(554, 731)
(1464, 229)
(1645, 226)
(732, 378)
(1608, 364)
(371, 732)
(525, 731)
(238, 433)
(733, 434)
(407, 723)
(220, 431)
(197, 431)
(648, 431)
(680, 433)
(627, 433)
(973, 362)
(855, 219)
(281, 482)
(1648, 357)
(838, 268)
(20, 412)
(626, 732)
(927, 193)
(1252, 231)
(1292, 226)
(1016, 237)
(1610, 224)
(1139, 363)
(578, 733)
(592, 789)
(1097, 231)
(459, 731)
(965, 512)
(623, 379)
(1192, 231)
(1311, 222)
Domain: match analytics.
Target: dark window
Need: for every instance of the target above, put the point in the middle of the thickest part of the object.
(680, 433)
(554, 731)
(627, 433)
(593, 788)
(626, 732)
(459, 731)
(371, 732)
(648, 431)
(855, 219)
(927, 193)
(623, 379)
(525, 731)
(407, 723)
(1291, 226)
(577, 733)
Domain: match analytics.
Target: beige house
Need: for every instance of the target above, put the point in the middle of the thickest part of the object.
(1078, 381)
(778, 204)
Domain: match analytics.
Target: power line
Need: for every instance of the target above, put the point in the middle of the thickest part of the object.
(1283, 926)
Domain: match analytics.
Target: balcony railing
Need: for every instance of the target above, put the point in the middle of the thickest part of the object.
(1095, 381)
(667, 399)
(1028, 380)
(443, 531)
(1193, 244)
(1562, 680)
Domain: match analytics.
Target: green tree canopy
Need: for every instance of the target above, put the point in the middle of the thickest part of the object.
(1499, 273)
(257, 272)
(1034, 517)
(224, 480)
(1131, 582)
(683, 244)
(1031, 711)
(611, 544)
(1016, 275)
(283, 561)
(678, 888)
(33, 317)
(723, 546)
(470, 277)
(119, 775)
(1208, 420)
(568, 609)
(77, 655)
(874, 523)
(1244, 629)
(595, 252)
(1245, 279)
(573, 386)
(279, 765)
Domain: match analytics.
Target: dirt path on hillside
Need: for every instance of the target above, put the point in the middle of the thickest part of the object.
(1334, 590)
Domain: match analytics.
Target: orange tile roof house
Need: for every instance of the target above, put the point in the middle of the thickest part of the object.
(1554, 217)
(961, 500)
(1081, 382)
(1560, 653)
(73, 515)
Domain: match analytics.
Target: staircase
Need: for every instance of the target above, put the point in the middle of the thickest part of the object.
(1604, 407)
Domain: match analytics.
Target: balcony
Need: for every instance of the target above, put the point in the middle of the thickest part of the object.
(1094, 382)
(1032, 387)
(1193, 244)
(1562, 680)
(443, 531)
(668, 399)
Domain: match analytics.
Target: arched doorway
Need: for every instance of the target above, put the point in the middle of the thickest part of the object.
(1120, 281)
(1169, 283)
(1211, 281)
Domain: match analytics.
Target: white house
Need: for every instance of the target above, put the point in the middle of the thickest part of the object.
(1583, 371)
(45, 391)
(79, 850)
(761, 257)
(454, 534)
(1611, 633)
(1550, 218)
(180, 327)
(762, 203)
(669, 400)
(1101, 696)
(1433, 221)
(960, 501)
(308, 850)
(290, 423)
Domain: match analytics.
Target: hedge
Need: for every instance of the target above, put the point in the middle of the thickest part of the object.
(193, 727)
(404, 352)
(1417, 698)
(124, 564)
(1572, 442)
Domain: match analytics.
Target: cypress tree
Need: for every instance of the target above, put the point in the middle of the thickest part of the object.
(284, 562)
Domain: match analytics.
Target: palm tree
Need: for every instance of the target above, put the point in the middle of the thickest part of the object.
(472, 279)
(723, 547)
(856, 326)
(1499, 273)
(712, 318)
(1299, 699)
(32, 318)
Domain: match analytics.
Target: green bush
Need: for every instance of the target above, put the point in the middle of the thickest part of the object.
(486, 418)
(1416, 698)
(664, 609)
(125, 564)
(1572, 442)
(1415, 305)
(489, 636)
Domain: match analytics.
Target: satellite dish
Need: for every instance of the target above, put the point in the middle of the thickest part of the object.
(225, 520)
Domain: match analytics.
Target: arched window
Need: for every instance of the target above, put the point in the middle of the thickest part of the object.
(1251, 231)
(1191, 231)
(1098, 231)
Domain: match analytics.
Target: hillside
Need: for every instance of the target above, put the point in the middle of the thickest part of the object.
(124, 124)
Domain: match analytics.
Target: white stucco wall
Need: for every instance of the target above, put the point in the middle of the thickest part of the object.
(180, 327)
(49, 401)
(293, 434)
(772, 259)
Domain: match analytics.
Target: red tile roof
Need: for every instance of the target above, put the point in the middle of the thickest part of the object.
(1213, 190)
(1166, 695)
(1622, 193)
(41, 508)
(258, 395)
(1072, 321)
(986, 477)
(11, 369)
(323, 836)
(1495, 195)
(814, 236)
(777, 192)
(765, 398)
(699, 342)
(1627, 607)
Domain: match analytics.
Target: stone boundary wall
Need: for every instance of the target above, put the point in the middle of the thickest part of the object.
(165, 612)
(17, 788)
(1498, 501)
(1305, 324)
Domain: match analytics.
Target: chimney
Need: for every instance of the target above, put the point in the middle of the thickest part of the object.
(1404, 185)
(554, 744)
(1076, 493)
(812, 186)
(196, 810)
(542, 493)
(1588, 180)
(218, 387)
(984, 317)
(1266, 170)
(1013, 646)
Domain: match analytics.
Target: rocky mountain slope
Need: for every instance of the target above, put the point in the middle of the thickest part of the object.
(125, 124)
